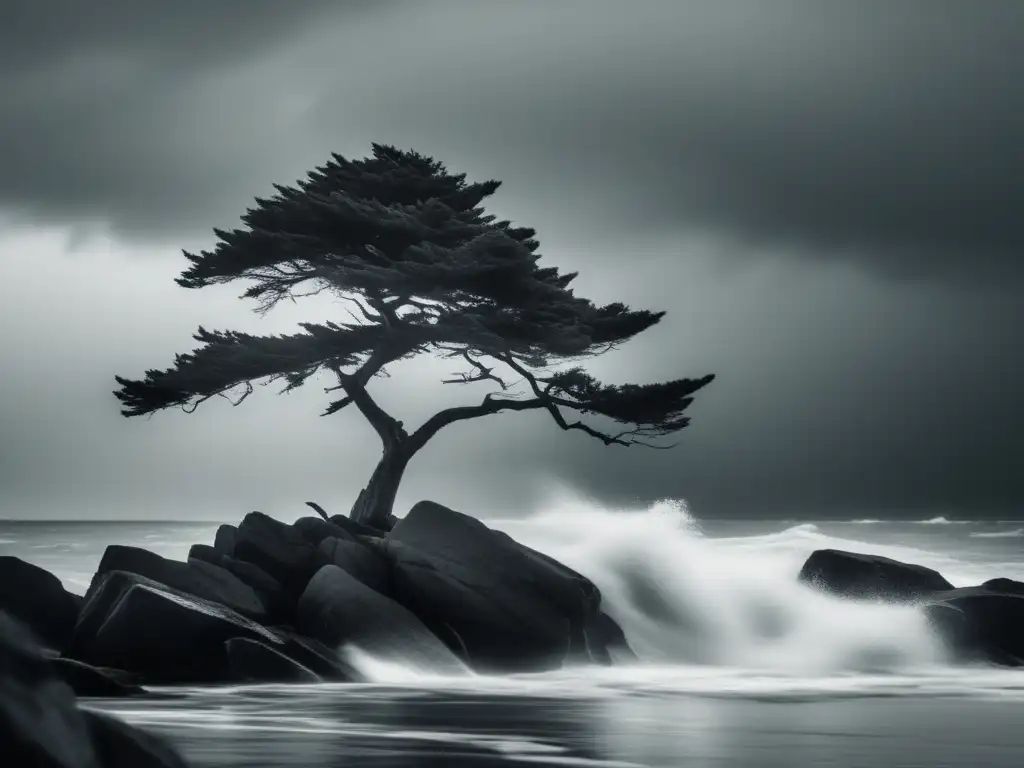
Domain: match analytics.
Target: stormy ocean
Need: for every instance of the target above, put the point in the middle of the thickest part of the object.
(742, 666)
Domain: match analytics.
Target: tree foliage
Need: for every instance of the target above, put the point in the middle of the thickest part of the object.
(424, 270)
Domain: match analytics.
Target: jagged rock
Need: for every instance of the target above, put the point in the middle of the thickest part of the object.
(205, 580)
(37, 598)
(356, 559)
(87, 680)
(340, 610)
(512, 608)
(252, 661)
(980, 624)
(277, 548)
(119, 745)
(870, 577)
(167, 636)
(224, 540)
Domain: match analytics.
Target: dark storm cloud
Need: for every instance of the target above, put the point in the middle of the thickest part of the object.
(883, 132)
(761, 170)
(132, 113)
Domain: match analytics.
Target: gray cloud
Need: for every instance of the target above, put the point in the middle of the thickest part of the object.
(885, 133)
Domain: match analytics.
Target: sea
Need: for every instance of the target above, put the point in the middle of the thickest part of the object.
(740, 664)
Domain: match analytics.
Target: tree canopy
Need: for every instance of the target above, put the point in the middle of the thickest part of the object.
(424, 270)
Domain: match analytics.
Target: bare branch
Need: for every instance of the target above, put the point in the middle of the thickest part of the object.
(318, 509)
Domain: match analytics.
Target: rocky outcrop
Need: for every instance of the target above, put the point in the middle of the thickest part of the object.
(41, 724)
(278, 603)
(167, 636)
(983, 623)
(980, 624)
(510, 607)
(272, 602)
(340, 611)
(37, 599)
(358, 560)
(870, 577)
(279, 549)
(204, 580)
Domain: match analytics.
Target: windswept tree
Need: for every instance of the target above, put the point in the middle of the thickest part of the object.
(424, 271)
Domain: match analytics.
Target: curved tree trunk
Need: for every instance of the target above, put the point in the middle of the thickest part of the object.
(376, 501)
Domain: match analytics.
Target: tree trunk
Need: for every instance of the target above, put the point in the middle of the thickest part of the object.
(375, 502)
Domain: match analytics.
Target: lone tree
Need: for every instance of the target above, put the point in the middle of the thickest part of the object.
(424, 270)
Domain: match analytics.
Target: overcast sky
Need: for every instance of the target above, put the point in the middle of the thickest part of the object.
(826, 197)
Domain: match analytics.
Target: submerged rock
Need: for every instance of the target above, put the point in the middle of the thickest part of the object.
(340, 610)
(511, 608)
(870, 577)
(167, 636)
(37, 598)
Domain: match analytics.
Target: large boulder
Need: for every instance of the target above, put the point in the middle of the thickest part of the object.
(980, 624)
(207, 581)
(250, 661)
(279, 549)
(167, 636)
(41, 725)
(358, 560)
(340, 611)
(870, 577)
(224, 540)
(37, 598)
(511, 607)
(278, 602)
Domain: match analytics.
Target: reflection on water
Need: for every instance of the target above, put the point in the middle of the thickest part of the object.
(355, 726)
